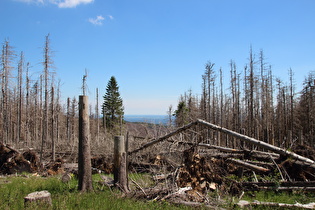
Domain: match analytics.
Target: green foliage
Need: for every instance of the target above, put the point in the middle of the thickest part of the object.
(181, 114)
(112, 108)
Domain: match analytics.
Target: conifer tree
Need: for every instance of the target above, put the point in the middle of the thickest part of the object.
(112, 108)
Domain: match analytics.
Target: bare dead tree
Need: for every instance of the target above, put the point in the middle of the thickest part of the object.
(20, 97)
(27, 105)
(52, 127)
(97, 118)
(7, 58)
(47, 65)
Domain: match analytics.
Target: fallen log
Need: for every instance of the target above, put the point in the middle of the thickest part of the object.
(259, 163)
(258, 143)
(223, 155)
(248, 165)
(222, 149)
(261, 153)
(243, 203)
(306, 189)
(283, 184)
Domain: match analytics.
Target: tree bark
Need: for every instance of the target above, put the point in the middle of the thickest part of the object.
(120, 164)
(85, 172)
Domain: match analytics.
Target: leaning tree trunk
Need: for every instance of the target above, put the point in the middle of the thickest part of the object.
(278, 150)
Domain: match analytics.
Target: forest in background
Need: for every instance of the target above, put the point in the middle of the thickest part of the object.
(32, 113)
(256, 104)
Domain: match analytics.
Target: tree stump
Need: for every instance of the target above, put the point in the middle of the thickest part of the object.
(120, 164)
(84, 160)
(40, 198)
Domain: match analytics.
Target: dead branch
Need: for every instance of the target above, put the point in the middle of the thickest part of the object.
(243, 203)
(248, 165)
(222, 149)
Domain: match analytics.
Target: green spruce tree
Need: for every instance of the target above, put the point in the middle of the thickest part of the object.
(112, 108)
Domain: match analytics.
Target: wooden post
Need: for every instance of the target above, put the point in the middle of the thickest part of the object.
(85, 171)
(120, 163)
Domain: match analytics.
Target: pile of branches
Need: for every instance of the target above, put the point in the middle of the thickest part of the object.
(12, 161)
(219, 171)
(189, 182)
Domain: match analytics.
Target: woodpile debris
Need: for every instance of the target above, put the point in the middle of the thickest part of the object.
(210, 168)
(204, 177)
(102, 163)
(12, 161)
(54, 167)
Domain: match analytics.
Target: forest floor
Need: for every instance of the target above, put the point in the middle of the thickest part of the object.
(200, 179)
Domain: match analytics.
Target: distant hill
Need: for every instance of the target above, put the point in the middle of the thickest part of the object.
(155, 119)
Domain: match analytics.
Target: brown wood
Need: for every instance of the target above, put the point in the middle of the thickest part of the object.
(120, 164)
(248, 165)
(84, 161)
(222, 149)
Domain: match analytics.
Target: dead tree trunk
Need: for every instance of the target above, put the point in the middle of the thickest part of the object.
(85, 172)
(20, 97)
(53, 143)
(97, 119)
(258, 143)
(120, 164)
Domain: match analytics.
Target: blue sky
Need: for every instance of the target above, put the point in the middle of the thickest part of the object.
(157, 49)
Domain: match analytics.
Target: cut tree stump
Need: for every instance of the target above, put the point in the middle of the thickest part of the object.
(41, 198)
(120, 164)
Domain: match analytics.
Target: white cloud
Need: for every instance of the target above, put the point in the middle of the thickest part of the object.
(110, 17)
(97, 21)
(70, 3)
(32, 1)
(59, 3)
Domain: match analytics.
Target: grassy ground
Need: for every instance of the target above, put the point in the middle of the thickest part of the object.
(65, 195)
(13, 189)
